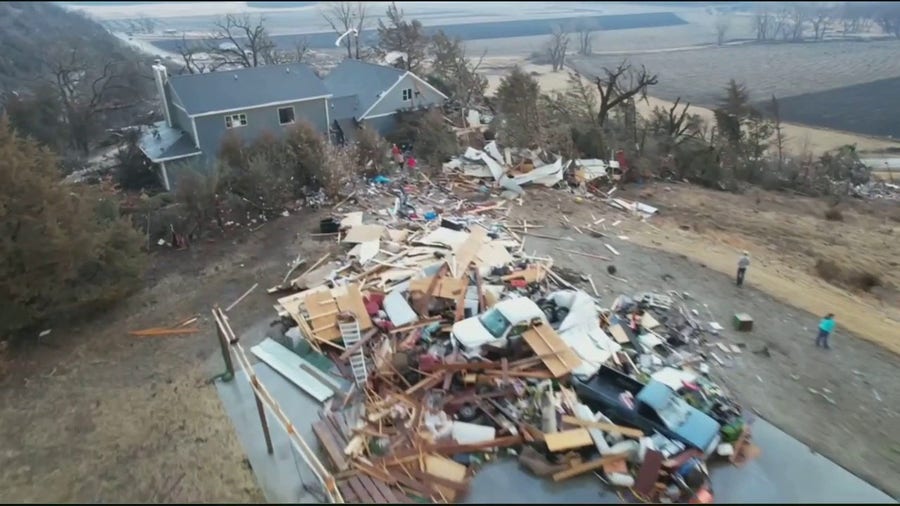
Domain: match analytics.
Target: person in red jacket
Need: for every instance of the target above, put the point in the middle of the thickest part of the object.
(397, 155)
(411, 162)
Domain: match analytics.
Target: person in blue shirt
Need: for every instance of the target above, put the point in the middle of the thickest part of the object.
(826, 327)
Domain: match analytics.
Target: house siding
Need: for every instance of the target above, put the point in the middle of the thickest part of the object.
(383, 125)
(393, 101)
(211, 129)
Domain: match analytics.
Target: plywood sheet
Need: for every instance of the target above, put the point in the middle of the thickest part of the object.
(567, 439)
(447, 288)
(618, 333)
(559, 358)
(323, 311)
(364, 233)
(468, 250)
(493, 254)
(351, 301)
(446, 469)
(648, 321)
(353, 219)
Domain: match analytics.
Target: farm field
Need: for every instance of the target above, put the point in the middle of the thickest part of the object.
(487, 29)
(785, 70)
(867, 108)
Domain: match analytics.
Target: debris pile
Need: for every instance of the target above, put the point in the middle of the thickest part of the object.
(457, 347)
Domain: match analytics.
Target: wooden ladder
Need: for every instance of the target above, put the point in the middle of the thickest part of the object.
(351, 335)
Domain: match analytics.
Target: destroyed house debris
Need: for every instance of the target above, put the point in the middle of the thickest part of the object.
(456, 347)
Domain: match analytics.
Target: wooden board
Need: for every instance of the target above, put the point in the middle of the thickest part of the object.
(648, 321)
(567, 439)
(323, 312)
(556, 354)
(352, 302)
(618, 333)
(588, 466)
(445, 469)
(606, 427)
(364, 233)
(531, 274)
(468, 250)
(331, 445)
(445, 288)
(648, 473)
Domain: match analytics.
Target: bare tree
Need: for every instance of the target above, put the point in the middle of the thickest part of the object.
(887, 17)
(189, 53)
(619, 85)
(797, 18)
(722, 25)
(87, 89)
(676, 126)
(345, 17)
(585, 40)
(557, 47)
(820, 19)
(761, 22)
(405, 37)
(241, 41)
(778, 129)
(460, 75)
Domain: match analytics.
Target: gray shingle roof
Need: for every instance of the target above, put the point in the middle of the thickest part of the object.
(246, 88)
(162, 142)
(365, 80)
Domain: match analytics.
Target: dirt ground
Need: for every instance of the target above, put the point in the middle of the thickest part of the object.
(95, 415)
(780, 364)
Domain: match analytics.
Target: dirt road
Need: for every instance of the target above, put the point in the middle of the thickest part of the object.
(780, 367)
(95, 415)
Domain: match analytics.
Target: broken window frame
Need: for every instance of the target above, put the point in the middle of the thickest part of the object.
(407, 94)
(237, 120)
(293, 115)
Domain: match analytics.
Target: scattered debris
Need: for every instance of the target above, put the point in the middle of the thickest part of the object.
(455, 345)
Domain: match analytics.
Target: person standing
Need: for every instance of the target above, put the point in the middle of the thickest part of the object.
(743, 263)
(398, 156)
(411, 163)
(826, 327)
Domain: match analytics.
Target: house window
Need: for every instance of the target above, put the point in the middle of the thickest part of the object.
(286, 115)
(235, 120)
(407, 94)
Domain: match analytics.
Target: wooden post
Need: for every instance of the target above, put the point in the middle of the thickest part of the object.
(262, 419)
(226, 354)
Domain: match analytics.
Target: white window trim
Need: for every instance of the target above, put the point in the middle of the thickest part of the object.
(237, 124)
(293, 115)
(404, 96)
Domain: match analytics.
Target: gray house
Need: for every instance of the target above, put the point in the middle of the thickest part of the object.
(200, 109)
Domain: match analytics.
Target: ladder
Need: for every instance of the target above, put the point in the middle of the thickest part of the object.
(350, 333)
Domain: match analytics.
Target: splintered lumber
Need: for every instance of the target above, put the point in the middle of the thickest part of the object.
(612, 249)
(323, 310)
(443, 287)
(331, 445)
(567, 439)
(606, 427)
(164, 332)
(453, 449)
(559, 359)
(468, 250)
(648, 473)
(352, 302)
(588, 466)
(449, 476)
(245, 294)
(531, 274)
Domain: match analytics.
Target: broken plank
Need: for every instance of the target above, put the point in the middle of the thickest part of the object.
(612, 249)
(582, 253)
(331, 445)
(565, 440)
(453, 449)
(164, 332)
(588, 466)
(606, 427)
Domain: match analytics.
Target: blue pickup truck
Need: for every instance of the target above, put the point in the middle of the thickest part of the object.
(651, 407)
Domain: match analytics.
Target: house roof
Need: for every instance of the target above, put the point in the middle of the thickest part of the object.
(228, 90)
(365, 80)
(160, 143)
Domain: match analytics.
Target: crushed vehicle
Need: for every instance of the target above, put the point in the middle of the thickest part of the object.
(506, 320)
(652, 407)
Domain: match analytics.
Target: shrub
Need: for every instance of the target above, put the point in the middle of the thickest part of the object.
(371, 148)
(834, 214)
(65, 250)
(197, 193)
(306, 148)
